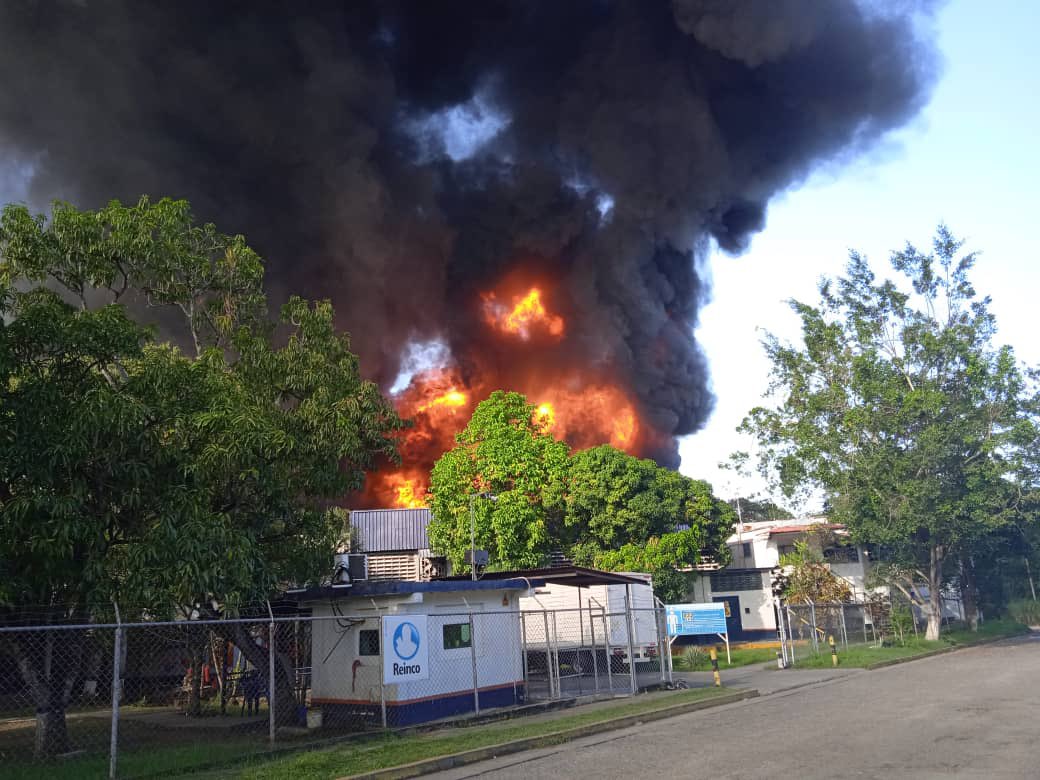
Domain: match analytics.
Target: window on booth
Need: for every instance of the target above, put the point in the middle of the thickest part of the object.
(368, 642)
(456, 636)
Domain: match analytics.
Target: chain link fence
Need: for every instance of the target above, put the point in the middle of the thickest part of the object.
(142, 699)
(861, 623)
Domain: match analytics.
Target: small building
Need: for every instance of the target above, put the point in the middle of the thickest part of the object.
(745, 586)
(437, 661)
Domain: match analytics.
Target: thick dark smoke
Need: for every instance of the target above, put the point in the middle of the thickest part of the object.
(630, 134)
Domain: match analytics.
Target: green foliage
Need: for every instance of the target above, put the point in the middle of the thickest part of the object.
(809, 581)
(132, 471)
(502, 452)
(693, 658)
(752, 511)
(901, 618)
(601, 506)
(898, 406)
(1025, 611)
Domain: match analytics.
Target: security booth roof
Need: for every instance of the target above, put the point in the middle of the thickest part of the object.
(372, 588)
(575, 576)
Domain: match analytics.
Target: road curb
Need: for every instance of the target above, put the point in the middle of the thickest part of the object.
(440, 763)
(939, 651)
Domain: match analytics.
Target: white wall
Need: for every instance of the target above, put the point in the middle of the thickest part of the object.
(496, 639)
(573, 628)
(760, 602)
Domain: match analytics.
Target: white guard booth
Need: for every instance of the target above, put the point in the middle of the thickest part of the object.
(411, 652)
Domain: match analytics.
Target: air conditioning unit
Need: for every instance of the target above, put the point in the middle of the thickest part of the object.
(357, 565)
(350, 568)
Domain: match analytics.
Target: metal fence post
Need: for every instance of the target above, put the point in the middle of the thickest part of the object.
(815, 643)
(595, 653)
(117, 690)
(556, 656)
(270, 676)
(661, 645)
(382, 684)
(548, 653)
(473, 663)
(523, 654)
(790, 632)
(844, 633)
(634, 684)
(607, 650)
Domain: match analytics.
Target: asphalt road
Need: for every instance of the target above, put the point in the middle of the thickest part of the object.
(974, 713)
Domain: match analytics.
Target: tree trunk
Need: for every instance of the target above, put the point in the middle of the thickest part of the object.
(52, 734)
(195, 692)
(969, 594)
(934, 594)
(284, 688)
(49, 663)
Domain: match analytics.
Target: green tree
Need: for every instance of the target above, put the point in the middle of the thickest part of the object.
(629, 514)
(900, 408)
(135, 473)
(502, 451)
(808, 579)
(750, 510)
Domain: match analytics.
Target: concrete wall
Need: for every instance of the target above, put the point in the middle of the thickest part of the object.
(496, 639)
(756, 606)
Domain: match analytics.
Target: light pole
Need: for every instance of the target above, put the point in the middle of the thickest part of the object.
(473, 533)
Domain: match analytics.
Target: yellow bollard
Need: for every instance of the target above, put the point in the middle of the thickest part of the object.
(834, 650)
(715, 666)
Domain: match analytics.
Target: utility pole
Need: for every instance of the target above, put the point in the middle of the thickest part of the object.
(472, 542)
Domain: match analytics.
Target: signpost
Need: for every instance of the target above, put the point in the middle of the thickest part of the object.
(406, 654)
(697, 620)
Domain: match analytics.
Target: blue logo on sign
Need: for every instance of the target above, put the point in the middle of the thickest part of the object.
(406, 641)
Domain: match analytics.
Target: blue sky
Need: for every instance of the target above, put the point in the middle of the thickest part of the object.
(971, 160)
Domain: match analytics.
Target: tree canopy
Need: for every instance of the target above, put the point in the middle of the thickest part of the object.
(504, 453)
(900, 407)
(132, 469)
(600, 507)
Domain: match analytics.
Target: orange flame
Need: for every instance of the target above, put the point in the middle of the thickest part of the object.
(624, 429)
(592, 415)
(545, 418)
(527, 315)
(451, 400)
(408, 493)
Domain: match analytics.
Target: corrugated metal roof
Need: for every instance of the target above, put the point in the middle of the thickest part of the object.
(388, 530)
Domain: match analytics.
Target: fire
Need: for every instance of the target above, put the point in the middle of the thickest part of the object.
(624, 429)
(452, 399)
(585, 409)
(528, 314)
(545, 417)
(588, 416)
(404, 491)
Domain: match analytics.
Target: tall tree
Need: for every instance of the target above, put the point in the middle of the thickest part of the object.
(629, 514)
(135, 472)
(900, 407)
(509, 473)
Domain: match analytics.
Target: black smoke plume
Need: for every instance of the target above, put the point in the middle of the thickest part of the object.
(607, 144)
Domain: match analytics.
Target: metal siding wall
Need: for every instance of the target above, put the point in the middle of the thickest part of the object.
(386, 530)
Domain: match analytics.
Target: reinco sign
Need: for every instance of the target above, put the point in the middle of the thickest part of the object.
(405, 652)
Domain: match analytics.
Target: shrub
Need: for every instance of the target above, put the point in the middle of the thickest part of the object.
(1025, 611)
(693, 657)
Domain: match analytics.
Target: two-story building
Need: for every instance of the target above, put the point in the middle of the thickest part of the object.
(745, 586)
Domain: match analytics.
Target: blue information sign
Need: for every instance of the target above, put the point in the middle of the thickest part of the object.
(696, 619)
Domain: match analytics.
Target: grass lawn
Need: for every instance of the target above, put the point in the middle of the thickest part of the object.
(742, 656)
(865, 655)
(134, 763)
(393, 750)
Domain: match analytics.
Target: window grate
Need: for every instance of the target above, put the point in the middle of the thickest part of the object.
(729, 581)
